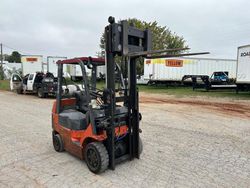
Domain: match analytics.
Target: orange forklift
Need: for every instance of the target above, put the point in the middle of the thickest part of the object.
(102, 126)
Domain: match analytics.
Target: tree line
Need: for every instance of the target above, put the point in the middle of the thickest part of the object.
(14, 57)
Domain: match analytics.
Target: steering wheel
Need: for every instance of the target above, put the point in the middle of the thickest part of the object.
(97, 94)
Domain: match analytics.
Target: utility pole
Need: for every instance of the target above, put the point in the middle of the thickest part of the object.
(1, 55)
(1, 67)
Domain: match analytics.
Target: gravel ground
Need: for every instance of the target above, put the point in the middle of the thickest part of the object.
(187, 143)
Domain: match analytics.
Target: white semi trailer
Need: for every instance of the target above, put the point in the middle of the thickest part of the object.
(169, 70)
(243, 68)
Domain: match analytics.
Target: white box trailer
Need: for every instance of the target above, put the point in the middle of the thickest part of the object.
(243, 66)
(101, 70)
(31, 64)
(51, 64)
(173, 69)
(75, 70)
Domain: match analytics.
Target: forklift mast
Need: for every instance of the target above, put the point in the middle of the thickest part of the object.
(123, 40)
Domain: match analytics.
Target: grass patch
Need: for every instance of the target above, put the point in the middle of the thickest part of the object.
(100, 84)
(171, 90)
(188, 91)
(179, 91)
(5, 85)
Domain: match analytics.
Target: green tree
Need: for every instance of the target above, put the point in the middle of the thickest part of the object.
(162, 38)
(15, 57)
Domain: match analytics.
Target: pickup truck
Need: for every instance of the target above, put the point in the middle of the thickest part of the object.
(39, 83)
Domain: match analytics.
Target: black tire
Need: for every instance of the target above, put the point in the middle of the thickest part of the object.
(96, 157)
(140, 145)
(57, 142)
(40, 93)
(19, 91)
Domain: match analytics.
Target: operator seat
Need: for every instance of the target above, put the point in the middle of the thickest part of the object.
(73, 119)
(81, 101)
(76, 118)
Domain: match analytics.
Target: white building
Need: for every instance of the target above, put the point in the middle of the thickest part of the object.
(9, 68)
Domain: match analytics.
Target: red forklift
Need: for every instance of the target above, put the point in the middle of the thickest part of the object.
(101, 126)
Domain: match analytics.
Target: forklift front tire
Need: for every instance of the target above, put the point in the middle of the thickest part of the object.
(96, 157)
(57, 142)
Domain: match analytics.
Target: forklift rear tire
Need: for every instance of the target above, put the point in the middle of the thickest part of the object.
(40, 93)
(57, 142)
(140, 145)
(96, 157)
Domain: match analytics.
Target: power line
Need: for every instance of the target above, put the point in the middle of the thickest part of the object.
(7, 46)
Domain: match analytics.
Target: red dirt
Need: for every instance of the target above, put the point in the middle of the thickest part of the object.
(228, 108)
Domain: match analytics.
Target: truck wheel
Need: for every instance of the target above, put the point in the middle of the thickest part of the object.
(57, 142)
(96, 157)
(40, 93)
(19, 91)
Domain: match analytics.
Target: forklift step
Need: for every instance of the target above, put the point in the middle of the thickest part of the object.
(76, 143)
(122, 158)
